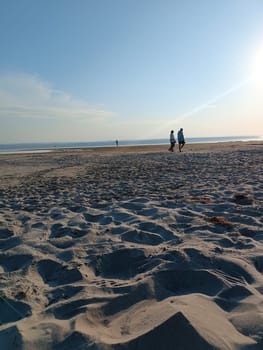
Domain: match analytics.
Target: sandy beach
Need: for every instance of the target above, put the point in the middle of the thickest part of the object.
(132, 248)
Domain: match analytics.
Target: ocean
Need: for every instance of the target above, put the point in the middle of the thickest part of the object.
(49, 146)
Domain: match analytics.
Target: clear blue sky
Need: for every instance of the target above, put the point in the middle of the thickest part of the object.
(87, 70)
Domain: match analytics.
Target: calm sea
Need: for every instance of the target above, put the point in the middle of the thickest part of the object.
(49, 146)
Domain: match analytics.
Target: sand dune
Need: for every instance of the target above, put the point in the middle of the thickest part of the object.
(132, 248)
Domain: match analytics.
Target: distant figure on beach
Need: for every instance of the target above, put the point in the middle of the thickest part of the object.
(172, 141)
(181, 141)
(117, 143)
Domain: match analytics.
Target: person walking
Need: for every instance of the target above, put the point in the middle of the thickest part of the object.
(181, 140)
(172, 141)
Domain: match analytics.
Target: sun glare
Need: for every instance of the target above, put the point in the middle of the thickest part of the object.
(257, 65)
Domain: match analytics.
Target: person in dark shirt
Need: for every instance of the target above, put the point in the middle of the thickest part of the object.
(181, 140)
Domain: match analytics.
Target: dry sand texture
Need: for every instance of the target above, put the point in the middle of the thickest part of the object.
(132, 248)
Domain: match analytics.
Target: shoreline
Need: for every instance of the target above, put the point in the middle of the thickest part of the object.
(189, 147)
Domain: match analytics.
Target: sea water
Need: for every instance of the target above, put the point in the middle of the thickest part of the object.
(49, 146)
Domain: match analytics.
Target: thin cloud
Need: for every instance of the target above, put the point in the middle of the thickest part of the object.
(213, 101)
(211, 106)
(27, 96)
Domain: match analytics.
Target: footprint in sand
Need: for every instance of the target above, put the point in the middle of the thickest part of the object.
(54, 273)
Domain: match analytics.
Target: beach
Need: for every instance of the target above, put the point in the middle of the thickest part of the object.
(124, 248)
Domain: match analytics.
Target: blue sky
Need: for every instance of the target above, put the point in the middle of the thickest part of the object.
(88, 70)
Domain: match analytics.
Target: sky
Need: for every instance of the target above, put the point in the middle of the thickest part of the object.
(97, 70)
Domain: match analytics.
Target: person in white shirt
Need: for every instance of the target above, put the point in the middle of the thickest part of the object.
(172, 141)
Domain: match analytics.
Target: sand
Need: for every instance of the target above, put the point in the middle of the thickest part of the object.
(132, 248)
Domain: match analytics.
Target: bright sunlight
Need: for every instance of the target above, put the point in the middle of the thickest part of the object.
(256, 69)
